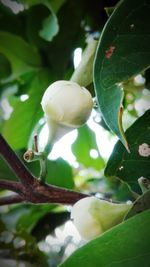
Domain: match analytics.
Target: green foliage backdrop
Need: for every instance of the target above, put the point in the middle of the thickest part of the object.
(37, 43)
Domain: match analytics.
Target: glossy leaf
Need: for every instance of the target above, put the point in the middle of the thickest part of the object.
(17, 130)
(123, 51)
(22, 56)
(83, 147)
(125, 245)
(131, 166)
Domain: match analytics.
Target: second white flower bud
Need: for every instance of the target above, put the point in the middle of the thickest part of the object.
(93, 216)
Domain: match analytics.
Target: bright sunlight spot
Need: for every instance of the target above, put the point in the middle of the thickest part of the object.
(94, 153)
(77, 57)
(24, 97)
(62, 148)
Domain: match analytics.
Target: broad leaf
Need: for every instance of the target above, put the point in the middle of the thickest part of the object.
(60, 173)
(17, 130)
(123, 52)
(131, 166)
(83, 146)
(22, 56)
(126, 245)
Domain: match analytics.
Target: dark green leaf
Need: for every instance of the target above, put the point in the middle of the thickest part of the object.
(33, 214)
(141, 204)
(126, 245)
(24, 216)
(131, 166)
(50, 24)
(17, 130)
(23, 57)
(81, 148)
(5, 68)
(50, 27)
(123, 51)
(61, 49)
(60, 173)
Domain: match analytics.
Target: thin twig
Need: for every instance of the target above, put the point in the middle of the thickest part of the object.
(36, 149)
(13, 199)
(15, 163)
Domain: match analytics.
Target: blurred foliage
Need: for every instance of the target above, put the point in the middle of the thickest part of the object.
(37, 43)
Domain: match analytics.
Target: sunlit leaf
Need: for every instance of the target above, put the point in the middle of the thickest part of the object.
(17, 130)
(60, 173)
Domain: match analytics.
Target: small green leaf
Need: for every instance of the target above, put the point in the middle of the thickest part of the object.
(123, 52)
(50, 27)
(22, 56)
(141, 204)
(59, 173)
(17, 130)
(83, 146)
(125, 245)
(131, 166)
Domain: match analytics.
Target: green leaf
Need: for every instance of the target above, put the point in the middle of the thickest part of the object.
(50, 27)
(131, 166)
(17, 130)
(68, 38)
(141, 204)
(82, 147)
(22, 56)
(126, 245)
(50, 24)
(6, 172)
(123, 51)
(30, 218)
(60, 173)
(5, 68)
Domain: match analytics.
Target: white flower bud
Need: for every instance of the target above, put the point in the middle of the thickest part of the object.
(67, 106)
(93, 216)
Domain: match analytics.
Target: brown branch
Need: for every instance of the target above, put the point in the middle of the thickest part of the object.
(15, 163)
(44, 193)
(9, 185)
(30, 189)
(13, 199)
